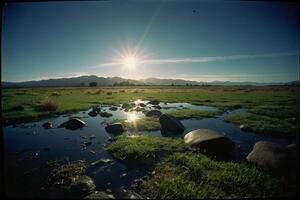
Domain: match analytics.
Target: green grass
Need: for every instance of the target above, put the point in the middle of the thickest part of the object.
(188, 113)
(274, 102)
(182, 172)
(190, 175)
(266, 125)
(152, 123)
(144, 150)
(143, 124)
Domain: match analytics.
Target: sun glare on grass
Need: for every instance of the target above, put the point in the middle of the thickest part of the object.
(131, 117)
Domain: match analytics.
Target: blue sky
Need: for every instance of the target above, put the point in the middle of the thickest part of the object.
(195, 40)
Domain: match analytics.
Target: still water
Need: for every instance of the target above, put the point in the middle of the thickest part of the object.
(29, 146)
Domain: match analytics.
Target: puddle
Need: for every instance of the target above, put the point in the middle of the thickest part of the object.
(31, 147)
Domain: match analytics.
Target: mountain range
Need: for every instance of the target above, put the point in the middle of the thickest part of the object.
(102, 81)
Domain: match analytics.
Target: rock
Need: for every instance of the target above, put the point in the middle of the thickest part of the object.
(97, 109)
(244, 127)
(113, 108)
(82, 186)
(170, 124)
(92, 113)
(99, 195)
(105, 114)
(157, 107)
(128, 194)
(154, 102)
(101, 161)
(47, 125)
(153, 113)
(115, 128)
(209, 140)
(73, 124)
(142, 105)
(274, 157)
(127, 105)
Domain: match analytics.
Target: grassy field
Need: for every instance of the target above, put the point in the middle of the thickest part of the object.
(271, 110)
(182, 172)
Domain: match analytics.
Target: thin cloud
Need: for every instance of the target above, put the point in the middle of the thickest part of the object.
(204, 59)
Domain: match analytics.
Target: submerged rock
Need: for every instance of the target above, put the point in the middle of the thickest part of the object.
(82, 186)
(99, 195)
(153, 113)
(170, 124)
(105, 114)
(74, 123)
(209, 140)
(116, 128)
(47, 125)
(274, 157)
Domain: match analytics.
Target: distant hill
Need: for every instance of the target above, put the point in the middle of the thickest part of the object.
(102, 81)
(70, 82)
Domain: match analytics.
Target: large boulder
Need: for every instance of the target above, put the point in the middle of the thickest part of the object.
(73, 124)
(153, 113)
(273, 157)
(115, 128)
(170, 124)
(209, 141)
(82, 186)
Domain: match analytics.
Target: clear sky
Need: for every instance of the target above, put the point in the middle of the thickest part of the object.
(195, 40)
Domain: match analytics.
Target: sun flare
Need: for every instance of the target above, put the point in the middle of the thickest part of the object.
(132, 117)
(130, 62)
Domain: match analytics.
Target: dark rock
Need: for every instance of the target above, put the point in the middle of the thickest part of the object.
(154, 102)
(73, 124)
(97, 109)
(170, 124)
(157, 107)
(153, 113)
(208, 140)
(47, 125)
(105, 114)
(115, 128)
(92, 113)
(274, 157)
(142, 105)
(113, 108)
(82, 186)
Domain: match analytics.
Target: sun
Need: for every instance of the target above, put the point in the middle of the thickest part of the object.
(130, 61)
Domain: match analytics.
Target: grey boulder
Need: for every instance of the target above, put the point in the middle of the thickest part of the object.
(273, 157)
(208, 140)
